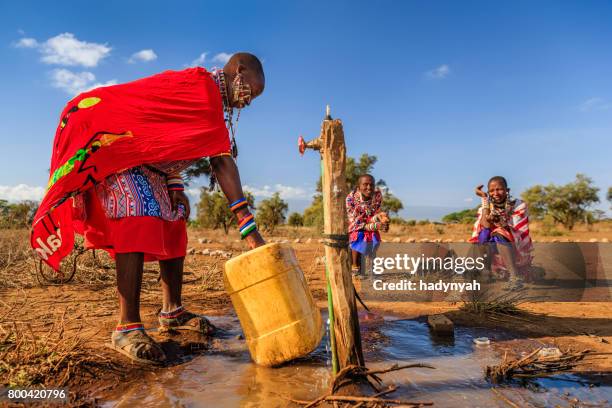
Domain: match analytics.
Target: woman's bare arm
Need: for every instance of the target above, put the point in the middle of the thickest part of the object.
(228, 177)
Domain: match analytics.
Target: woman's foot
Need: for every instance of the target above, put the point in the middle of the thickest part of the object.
(182, 319)
(132, 341)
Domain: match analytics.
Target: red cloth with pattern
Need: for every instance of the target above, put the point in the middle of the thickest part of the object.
(157, 238)
(514, 226)
(174, 115)
(360, 212)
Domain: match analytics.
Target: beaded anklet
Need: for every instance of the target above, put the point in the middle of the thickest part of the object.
(173, 314)
(128, 327)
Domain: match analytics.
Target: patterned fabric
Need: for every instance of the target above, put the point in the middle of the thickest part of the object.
(174, 115)
(137, 192)
(360, 213)
(512, 224)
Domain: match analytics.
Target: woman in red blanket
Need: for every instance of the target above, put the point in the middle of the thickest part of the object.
(503, 222)
(132, 203)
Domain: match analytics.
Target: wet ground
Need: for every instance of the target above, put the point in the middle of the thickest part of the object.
(225, 376)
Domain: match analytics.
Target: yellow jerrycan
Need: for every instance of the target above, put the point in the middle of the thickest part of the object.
(276, 310)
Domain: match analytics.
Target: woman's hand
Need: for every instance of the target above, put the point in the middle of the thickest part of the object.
(254, 240)
(479, 191)
(179, 197)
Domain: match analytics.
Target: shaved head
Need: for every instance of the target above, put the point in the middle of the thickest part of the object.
(251, 70)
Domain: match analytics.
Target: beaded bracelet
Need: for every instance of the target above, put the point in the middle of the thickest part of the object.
(247, 225)
(238, 204)
(250, 227)
(174, 182)
(242, 222)
(485, 202)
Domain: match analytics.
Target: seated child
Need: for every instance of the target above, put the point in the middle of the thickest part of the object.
(504, 222)
(365, 219)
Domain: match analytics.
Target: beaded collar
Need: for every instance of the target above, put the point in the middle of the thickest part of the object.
(219, 77)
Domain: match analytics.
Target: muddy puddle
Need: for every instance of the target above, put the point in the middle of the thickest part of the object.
(225, 377)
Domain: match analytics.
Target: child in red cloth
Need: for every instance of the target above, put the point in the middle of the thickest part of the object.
(366, 219)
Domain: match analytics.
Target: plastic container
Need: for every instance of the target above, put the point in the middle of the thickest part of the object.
(274, 305)
(482, 341)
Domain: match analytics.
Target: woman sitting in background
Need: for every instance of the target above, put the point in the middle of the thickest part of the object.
(504, 222)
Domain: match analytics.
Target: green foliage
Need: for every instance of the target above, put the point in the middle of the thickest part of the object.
(295, 219)
(609, 195)
(214, 212)
(423, 222)
(197, 169)
(566, 204)
(354, 169)
(467, 216)
(391, 204)
(548, 227)
(313, 215)
(271, 212)
(19, 215)
(397, 221)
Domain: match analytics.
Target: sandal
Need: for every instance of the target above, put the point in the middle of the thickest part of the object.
(181, 319)
(132, 341)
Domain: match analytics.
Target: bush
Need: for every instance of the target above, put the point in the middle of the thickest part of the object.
(295, 219)
(271, 212)
(313, 215)
(214, 212)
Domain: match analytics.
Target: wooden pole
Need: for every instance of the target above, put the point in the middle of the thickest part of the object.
(346, 322)
(333, 160)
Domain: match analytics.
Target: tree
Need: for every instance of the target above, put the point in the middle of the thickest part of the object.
(197, 169)
(214, 212)
(313, 215)
(566, 204)
(609, 195)
(535, 197)
(271, 212)
(391, 204)
(295, 219)
(18, 215)
(467, 216)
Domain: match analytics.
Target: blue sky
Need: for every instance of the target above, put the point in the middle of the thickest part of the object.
(446, 94)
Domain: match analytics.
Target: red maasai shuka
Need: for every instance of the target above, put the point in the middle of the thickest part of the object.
(174, 115)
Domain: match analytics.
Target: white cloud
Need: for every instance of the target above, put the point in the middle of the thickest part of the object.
(198, 61)
(595, 104)
(76, 82)
(193, 192)
(468, 200)
(222, 57)
(143, 56)
(440, 72)
(26, 43)
(21, 192)
(287, 192)
(66, 49)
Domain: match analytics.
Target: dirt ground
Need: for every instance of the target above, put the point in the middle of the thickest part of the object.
(55, 335)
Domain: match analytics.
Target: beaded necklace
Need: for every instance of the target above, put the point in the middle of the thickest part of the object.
(501, 213)
(219, 77)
